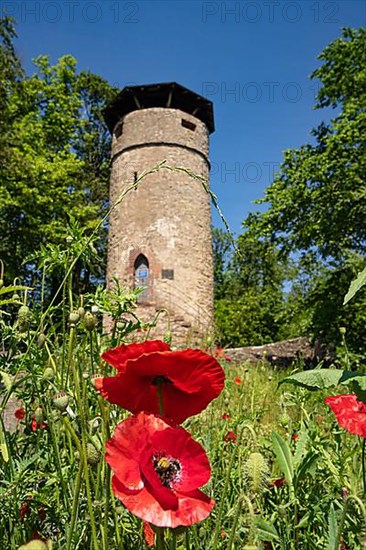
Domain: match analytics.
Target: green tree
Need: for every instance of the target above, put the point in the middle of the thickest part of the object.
(58, 162)
(250, 302)
(317, 202)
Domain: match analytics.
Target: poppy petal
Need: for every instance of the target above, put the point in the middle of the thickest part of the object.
(117, 357)
(350, 413)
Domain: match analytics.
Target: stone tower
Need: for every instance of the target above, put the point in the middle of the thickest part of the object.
(160, 234)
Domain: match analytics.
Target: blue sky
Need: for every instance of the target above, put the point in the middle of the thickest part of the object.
(251, 58)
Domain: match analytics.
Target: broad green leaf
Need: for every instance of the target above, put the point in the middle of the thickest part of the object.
(266, 530)
(355, 286)
(284, 456)
(332, 529)
(319, 379)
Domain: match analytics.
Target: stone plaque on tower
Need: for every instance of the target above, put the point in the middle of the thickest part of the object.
(160, 233)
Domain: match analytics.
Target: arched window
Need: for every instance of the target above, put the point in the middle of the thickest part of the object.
(141, 272)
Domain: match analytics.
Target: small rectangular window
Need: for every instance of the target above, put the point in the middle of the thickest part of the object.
(188, 124)
(118, 130)
(167, 274)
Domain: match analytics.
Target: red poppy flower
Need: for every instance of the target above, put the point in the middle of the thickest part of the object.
(158, 468)
(24, 510)
(295, 437)
(226, 416)
(237, 381)
(189, 379)
(220, 354)
(278, 482)
(35, 425)
(350, 413)
(230, 437)
(19, 413)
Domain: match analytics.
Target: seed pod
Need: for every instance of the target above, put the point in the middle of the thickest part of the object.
(92, 454)
(89, 321)
(61, 401)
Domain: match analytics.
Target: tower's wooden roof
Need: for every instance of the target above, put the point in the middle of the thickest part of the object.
(168, 94)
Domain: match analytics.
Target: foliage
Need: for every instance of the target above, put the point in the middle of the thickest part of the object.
(266, 487)
(316, 204)
(57, 158)
(250, 303)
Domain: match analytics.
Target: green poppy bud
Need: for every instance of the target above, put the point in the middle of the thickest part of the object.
(24, 317)
(90, 321)
(92, 454)
(41, 340)
(74, 318)
(81, 312)
(61, 401)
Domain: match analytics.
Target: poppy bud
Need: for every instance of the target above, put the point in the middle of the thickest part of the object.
(168, 337)
(41, 340)
(89, 321)
(94, 309)
(15, 297)
(61, 401)
(81, 312)
(94, 425)
(24, 317)
(35, 545)
(342, 330)
(74, 318)
(92, 454)
(1, 283)
(69, 239)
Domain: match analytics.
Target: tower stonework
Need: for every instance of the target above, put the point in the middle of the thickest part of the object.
(160, 233)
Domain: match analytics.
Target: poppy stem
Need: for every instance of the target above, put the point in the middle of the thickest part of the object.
(160, 544)
(160, 396)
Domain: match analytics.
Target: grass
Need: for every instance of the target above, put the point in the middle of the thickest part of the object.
(54, 480)
(284, 475)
